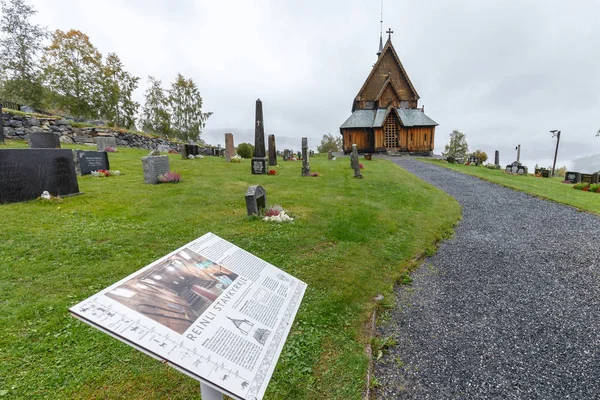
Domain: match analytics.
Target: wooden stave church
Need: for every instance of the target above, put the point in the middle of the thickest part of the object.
(385, 113)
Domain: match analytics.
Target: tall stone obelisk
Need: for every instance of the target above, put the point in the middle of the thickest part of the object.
(259, 161)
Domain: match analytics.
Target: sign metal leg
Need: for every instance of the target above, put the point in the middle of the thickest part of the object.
(209, 393)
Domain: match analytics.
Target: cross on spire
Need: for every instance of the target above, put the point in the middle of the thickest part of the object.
(389, 32)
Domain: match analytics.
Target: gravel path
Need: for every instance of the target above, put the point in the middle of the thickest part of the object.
(509, 308)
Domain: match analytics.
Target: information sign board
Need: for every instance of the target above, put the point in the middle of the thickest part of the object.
(210, 309)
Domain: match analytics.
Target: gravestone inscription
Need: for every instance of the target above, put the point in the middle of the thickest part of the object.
(43, 140)
(92, 161)
(103, 142)
(256, 199)
(26, 173)
(154, 166)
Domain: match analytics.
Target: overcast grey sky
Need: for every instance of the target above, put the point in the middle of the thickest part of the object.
(503, 72)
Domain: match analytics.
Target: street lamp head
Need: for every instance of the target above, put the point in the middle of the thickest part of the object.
(554, 131)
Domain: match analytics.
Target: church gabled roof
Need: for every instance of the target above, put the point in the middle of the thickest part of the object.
(378, 65)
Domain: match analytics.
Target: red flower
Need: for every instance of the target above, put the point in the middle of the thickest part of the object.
(272, 172)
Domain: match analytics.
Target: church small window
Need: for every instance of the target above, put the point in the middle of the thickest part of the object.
(411, 137)
(425, 138)
(369, 105)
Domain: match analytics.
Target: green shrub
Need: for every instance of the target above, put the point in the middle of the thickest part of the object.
(245, 150)
(581, 186)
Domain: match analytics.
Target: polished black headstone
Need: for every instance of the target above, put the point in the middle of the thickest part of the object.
(26, 173)
(587, 178)
(92, 161)
(573, 177)
(189, 150)
(259, 166)
(43, 140)
(259, 132)
(256, 199)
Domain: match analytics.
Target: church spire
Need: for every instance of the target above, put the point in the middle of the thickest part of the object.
(380, 31)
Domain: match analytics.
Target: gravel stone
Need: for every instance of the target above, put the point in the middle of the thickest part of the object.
(509, 308)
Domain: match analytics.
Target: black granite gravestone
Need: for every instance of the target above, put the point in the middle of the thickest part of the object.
(256, 199)
(497, 159)
(587, 178)
(473, 160)
(189, 150)
(259, 161)
(26, 173)
(43, 140)
(92, 161)
(1, 126)
(573, 177)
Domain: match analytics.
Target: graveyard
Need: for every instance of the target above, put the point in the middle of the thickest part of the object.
(548, 188)
(351, 239)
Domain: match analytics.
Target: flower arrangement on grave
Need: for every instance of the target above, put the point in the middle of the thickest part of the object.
(272, 172)
(173, 151)
(169, 177)
(46, 196)
(110, 149)
(314, 174)
(586, 187)
(276, 213)
(360, 166)
(191, 156)
(104, 173)
(236, 159)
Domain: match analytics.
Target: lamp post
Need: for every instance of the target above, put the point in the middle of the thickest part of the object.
(556, 134)
(518, 149)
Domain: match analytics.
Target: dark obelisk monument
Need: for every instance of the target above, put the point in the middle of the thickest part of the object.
(1, 127)
(305, 155)
(259, 161)
(272, 151)
(497, 159)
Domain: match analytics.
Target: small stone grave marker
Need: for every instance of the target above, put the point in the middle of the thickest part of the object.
(26, 173)
(43, 140)
(103, 142)
(89, 161)
(356, 163)
(154, 166)
(256, 199)
(330, 155)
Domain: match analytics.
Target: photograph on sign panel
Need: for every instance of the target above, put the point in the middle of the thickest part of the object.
(176, 291)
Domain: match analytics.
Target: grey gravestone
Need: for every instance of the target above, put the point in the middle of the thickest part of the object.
(286, 154)
(596, 177)
(305, 156)
(256, 199)
(330, 155)
(92, 161)
(272, 151)
(497, 159)
(229, 147)
(103, 142)
(573, 177)
(163, 148)
(356, 164)
(26, 173)
(1, 126)
(259, 161)
(299, 155)
(153, 167)
(353, 160)
(43, 140)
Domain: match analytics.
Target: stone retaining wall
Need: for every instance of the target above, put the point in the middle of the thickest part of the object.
(17, 127)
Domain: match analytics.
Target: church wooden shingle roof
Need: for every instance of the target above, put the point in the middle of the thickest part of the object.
(375, 118)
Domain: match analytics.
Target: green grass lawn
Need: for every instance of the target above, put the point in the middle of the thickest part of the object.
(547, 188)
(351, 240)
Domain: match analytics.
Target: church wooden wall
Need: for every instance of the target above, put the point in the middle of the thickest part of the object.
(418, 138)
(356, 136)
